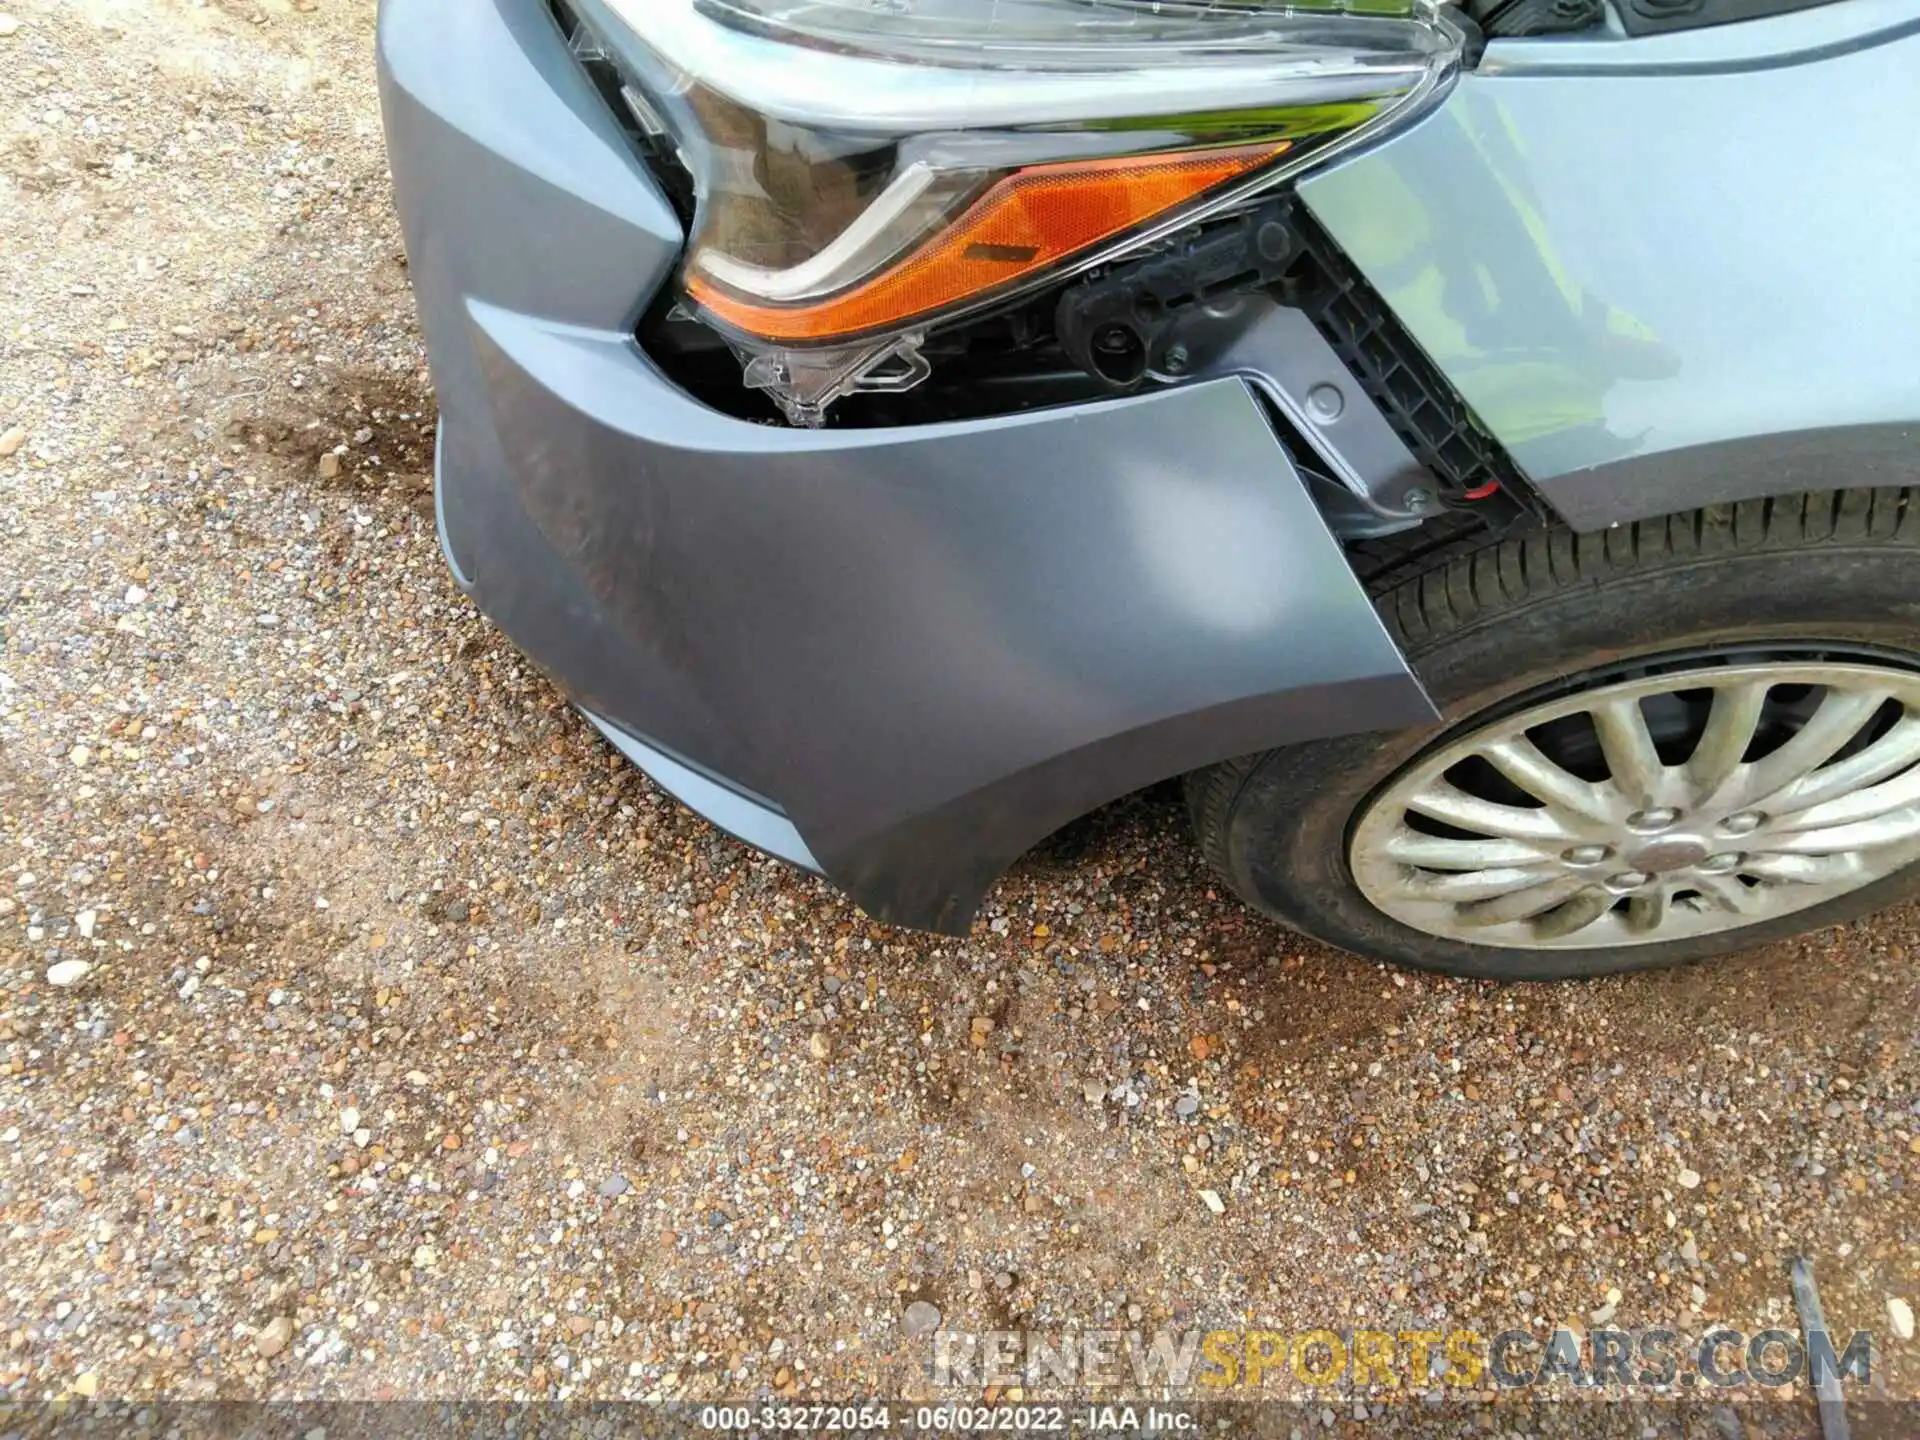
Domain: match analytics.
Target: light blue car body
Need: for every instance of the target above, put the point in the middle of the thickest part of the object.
(1667, 271)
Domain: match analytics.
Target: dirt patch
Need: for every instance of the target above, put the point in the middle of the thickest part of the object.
(364, 432)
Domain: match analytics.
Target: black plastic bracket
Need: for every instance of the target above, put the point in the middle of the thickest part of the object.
(1267, 296)
(1122, 326)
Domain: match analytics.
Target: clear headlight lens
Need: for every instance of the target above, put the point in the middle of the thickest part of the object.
(1025, 224)
(865, 169)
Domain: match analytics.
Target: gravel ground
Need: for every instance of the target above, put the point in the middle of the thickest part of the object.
(423, 1048)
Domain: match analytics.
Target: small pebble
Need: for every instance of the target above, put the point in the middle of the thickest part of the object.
(920, 1318)
(68, 972)
(273, 1337)
(1213, 1201)
(1900, 1317)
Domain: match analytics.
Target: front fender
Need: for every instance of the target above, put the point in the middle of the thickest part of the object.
(1669, 271)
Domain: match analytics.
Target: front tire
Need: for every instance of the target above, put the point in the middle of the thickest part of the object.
(1645, 839)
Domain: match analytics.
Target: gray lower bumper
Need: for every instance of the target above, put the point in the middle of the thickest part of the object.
(928, 648)
(745, 817)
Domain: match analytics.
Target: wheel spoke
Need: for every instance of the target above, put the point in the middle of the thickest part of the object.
(1648, 911)
(1522, 904)
(1522, 762)
(1628, 745)
(1723, 745)
(1476, 884)
(1893, 829)
(1887, 756)
(1727, 892)
(1453, 806)
(1876, 800)
(1804, 869)
(1836, 721)
(1575, 915)
(1440, 852)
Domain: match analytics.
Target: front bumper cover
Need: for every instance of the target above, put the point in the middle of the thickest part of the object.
(917, 652)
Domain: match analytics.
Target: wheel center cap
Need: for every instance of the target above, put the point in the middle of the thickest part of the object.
(1663, 855)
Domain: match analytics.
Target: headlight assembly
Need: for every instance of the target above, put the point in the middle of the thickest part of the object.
(867, 170)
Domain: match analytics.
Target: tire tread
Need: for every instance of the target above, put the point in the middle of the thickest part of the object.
(1463, 582)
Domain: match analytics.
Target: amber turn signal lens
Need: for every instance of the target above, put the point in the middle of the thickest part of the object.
(1032, 220)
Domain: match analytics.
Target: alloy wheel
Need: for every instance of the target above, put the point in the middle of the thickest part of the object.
(1658, 807)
